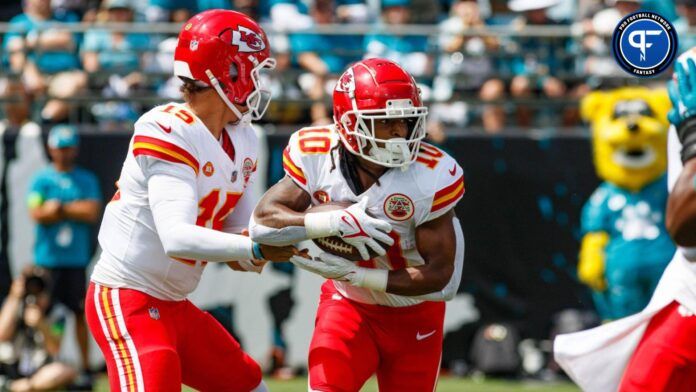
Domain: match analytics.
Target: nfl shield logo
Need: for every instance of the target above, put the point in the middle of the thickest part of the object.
(234, 176)
(154, 313)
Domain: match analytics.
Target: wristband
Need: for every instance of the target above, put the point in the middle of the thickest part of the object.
(369, 278)
(256, 251)
(687, 135)
(318, 225)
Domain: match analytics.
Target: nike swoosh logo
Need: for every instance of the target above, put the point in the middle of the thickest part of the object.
(454, 170)
(165, 129)
(427, 335)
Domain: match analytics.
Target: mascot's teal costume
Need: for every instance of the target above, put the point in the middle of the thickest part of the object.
(625, 246)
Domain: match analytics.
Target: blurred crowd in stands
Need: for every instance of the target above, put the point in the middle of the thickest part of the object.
(481, 64)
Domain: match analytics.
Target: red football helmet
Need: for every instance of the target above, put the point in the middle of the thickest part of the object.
(226, 50)
(378, 89)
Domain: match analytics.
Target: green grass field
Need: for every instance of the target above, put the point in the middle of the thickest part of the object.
(447, 384)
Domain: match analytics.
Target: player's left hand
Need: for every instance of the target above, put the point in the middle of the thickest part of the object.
(327, 266)
(337, 268)
(247, 265)
(682, 92)
(278, 253)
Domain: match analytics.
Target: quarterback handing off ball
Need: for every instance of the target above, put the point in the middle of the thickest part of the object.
(334, 244)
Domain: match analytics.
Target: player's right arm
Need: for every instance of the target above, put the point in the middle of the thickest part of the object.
(280, 218)
(680, 219)
(681, 207)
(282, 207)
(170, 170)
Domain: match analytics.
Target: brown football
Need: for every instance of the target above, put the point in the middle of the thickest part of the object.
(334, 244)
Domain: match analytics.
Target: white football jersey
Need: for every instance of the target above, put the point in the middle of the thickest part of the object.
(429, 188)
(171, 140)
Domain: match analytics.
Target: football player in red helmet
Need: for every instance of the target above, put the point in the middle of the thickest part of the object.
(182, 203)
(384, 314)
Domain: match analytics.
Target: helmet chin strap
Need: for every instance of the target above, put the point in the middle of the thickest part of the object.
(216, 85)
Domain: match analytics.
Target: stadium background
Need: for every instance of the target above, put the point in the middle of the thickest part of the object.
(526, 179)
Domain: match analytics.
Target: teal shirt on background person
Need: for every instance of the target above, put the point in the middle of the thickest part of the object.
(337, 51)
(48, 61)
(65, 243)
(639, 246)
(116, 56)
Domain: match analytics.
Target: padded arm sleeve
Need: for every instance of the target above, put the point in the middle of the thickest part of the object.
(289, 235)
(174, 209)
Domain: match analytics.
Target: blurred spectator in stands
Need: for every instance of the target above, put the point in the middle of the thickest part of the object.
(116, 54)
(537, 64)
(17, 107)
(353, 11)
(686, 22)
(161, 10)
(249, 8)
(665, 8)
(10, 9)
(324, 55)
(466, 65)
(407, 50)
(429, 11)
(292, 15)
(114, 51)
(30, 337)
(84, 9)
(65, 201)
(597, 29)
(45, 56)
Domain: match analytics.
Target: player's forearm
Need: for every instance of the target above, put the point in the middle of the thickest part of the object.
(420, 280)
(278, 225)
(189, 241)
(276, 236)
(681, 207)
(277, 215)
(174, 210)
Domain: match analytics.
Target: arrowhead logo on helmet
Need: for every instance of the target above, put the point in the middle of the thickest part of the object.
(347, 82)
(247, 40)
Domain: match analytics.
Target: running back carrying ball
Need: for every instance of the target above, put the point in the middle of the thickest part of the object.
(334, 244)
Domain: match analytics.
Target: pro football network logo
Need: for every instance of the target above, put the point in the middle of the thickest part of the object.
(644, 44)
(398, 207)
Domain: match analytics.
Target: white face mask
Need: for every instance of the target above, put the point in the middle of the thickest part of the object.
(258, 100)
(393, 152)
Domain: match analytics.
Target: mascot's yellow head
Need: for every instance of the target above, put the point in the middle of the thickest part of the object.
(629, 134)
